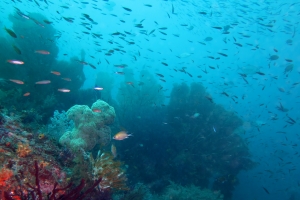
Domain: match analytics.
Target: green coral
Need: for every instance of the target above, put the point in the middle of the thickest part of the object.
(90, 126)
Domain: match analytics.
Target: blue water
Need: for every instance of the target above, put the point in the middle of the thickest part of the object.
(245, 54)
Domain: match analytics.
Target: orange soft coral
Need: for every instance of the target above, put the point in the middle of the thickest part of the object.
(5, 174)
(23, 150)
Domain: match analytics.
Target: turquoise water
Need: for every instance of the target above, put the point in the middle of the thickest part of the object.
(208, 89)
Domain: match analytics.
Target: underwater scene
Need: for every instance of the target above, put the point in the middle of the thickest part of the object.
(149, 100)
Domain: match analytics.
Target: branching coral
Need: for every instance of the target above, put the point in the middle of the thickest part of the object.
(113, 177)
(35, 190)
(104, 166)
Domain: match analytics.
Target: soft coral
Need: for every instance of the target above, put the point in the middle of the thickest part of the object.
(5, 174)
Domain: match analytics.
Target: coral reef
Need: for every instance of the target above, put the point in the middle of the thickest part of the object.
(35, 168)
(20, 152)
(191, 136)
(90, 126)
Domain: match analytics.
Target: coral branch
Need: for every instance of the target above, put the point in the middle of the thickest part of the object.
(76, 191)
(37, 182)
(91, 188)
(37, 187)
(55, 191)
(7, 197)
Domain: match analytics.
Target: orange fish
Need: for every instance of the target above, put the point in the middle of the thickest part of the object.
(43, 82)
(17, 81)
(113, 150)
(97, 110)
(55, 73)
(26, 94)
(63, 90)
(42, 52)
(122, 135)
(66, 79)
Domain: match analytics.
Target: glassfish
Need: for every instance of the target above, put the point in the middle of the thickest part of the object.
(98, 88)
(43, 82)
(55, 73)
(16, 62)
(17, 81)
(66, 79)
(42, 52)
(63, 90)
